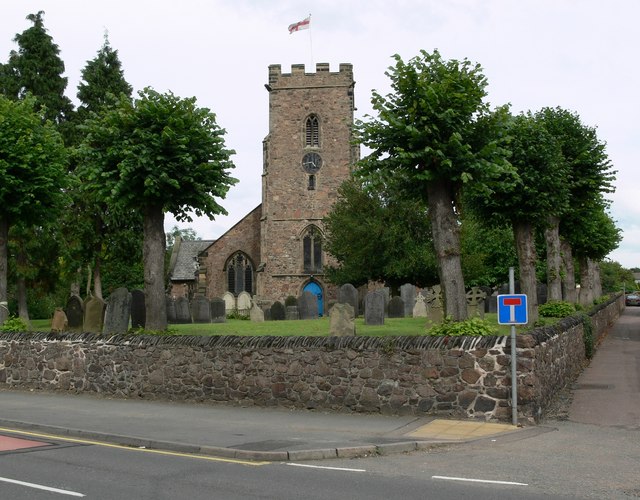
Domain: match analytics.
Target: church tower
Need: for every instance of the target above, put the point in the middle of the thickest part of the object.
(307, 154)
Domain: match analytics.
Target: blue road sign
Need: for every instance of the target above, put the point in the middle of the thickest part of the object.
(512, 309)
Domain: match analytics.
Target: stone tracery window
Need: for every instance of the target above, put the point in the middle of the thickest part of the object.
(239, 274)
(312, 132)
(312, 250)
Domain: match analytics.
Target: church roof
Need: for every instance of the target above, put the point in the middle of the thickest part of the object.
(186, 259)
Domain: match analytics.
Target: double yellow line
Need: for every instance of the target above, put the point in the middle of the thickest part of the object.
(130, 448)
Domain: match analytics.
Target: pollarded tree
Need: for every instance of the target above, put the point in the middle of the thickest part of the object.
(426, 139)
(32, 173)
(158, 154)
(36, 68)
(589, 178)
(539, 191)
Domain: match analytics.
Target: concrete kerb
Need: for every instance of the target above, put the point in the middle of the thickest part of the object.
(362, 451)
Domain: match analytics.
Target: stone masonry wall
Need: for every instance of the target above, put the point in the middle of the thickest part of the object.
(448, 376)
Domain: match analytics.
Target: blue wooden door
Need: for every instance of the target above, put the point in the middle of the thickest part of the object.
(316, 289)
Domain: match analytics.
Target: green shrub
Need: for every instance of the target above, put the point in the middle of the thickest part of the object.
(587, 335)
(556, 309)
(236, 315)
(473, 327)
(14, 324)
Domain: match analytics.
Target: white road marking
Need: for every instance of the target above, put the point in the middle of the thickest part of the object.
(479, 480)
(41, 487)
(328, 468)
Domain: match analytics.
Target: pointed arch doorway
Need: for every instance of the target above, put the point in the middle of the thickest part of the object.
(316, 289)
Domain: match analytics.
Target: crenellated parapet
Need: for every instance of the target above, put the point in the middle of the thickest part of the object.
(298, 77)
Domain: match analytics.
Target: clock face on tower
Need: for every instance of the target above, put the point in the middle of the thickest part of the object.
(311, 162)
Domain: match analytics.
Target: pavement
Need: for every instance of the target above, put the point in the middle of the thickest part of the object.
(607, 389)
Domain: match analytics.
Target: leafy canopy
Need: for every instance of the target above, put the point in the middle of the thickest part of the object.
(158, 152)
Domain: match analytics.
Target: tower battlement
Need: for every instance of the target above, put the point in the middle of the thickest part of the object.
(298, 74)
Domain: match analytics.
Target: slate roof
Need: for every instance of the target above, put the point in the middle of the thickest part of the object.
(186, 262)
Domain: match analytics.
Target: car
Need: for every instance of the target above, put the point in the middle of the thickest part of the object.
(633, 299)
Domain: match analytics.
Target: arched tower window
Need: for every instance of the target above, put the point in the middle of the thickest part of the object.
(312, 132)
(312, 250)
(239, 274)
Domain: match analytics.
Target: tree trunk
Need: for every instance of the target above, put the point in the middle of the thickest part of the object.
(526, 249)
(586, 283)
(153, 258)
(446, 240)
(554, 259)
(4, 262)
(597, 281)
(23, 308)
(569, 293)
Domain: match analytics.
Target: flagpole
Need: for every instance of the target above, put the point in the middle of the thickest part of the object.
(311, 43)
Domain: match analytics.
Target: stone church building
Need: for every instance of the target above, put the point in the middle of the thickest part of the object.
(276, 250)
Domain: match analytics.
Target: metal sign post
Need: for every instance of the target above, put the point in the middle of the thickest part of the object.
(512, 310)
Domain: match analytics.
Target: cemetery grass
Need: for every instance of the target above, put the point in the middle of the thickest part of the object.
(315, 327)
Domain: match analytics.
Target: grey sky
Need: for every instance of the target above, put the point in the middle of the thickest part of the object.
(577, 54)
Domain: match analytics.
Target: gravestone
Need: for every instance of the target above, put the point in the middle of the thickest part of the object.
(183, 314)
(342, 321)
(200, 309)
(118, 312)
(374, 308)
(435, 306)
(218, 310)
(74, 313)
(291, 313)
(475, 302)
(138, 310)
(396, 308)
(348, 294)
(256, 314)
(229, 302)
(59, 322)
(244, 303)
(408, 295)
(488, 291)
(172, 316)
(308, 305)
(94, 315)
(277, 311)
(387, 297)
(420, 307)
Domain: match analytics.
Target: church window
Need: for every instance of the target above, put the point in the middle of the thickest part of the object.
(312, 132)
(239, 274)
(312, 250)
(312, 183)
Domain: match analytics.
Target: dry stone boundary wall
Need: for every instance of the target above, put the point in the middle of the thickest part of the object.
(446, 376)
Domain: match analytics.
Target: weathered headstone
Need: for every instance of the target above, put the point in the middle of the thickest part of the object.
(420, 307)
(172, 316)
(348, 294)
(183, 314)
(374, 308)
(116, 318)
(256, 314)
(308, 305)
(475, 302)
(342, 320)
(218, 310)
(387, 297)
(396, 308)
(277, 311)
(138, 310)
(200, 309)
(74, 313)
(229, 301)
(435, 306)
(244, 303)
(59, 322)
(291, 313)
(408, 295)
(94, 315)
